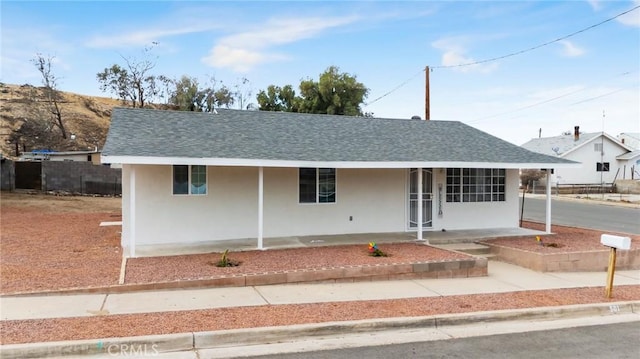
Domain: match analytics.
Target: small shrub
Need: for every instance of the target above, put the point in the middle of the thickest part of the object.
(225, 261)
(374, 251)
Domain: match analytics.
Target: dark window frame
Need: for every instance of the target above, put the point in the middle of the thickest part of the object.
(316, 185)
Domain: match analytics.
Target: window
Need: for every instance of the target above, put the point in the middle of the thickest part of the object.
(597, 147)
(317, 185)
(475, 185)
(189, 179)
(602, 167)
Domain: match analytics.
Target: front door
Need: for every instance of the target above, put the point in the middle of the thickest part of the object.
(427, 198)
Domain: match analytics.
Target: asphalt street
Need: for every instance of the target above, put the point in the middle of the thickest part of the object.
(586, 215)
(603, 341)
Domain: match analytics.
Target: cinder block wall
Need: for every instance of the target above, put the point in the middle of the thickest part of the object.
(79, 177)
(7, 175)
(628, 186)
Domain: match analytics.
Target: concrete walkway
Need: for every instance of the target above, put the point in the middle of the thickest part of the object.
(502, 277)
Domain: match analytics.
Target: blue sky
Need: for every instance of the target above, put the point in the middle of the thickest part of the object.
(385, 44)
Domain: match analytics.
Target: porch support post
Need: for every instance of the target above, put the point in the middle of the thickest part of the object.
(132, 211)
(548, 210)
(260, 206)
(419, 219)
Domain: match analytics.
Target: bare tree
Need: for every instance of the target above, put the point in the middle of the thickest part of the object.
(242, 93)
(51, 92)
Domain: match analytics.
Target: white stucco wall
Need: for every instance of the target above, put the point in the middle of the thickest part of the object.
(587, 174)
(375, 199)
(470, 215)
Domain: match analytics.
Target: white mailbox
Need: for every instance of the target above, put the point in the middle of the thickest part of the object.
(618, 242)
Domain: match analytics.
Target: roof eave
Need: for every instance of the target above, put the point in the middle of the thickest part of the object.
(244, 162)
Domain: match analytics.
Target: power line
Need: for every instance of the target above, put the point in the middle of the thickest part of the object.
(395, 88)
(597, 97)
(500, 57)
(538, 46)
(553, 99)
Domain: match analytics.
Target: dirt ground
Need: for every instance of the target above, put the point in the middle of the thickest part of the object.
(51, 242)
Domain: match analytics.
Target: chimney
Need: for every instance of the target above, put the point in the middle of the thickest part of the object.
(576, 133)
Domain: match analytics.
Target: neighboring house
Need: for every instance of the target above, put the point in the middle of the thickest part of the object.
(45, 155)
(193, 178)
(604, 159)
(631, 139)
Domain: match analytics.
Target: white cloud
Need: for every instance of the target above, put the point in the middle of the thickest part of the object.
(142, 37)
(570, 50)
(595, 4)
(632, 18)
(454, 54)
(243, 51)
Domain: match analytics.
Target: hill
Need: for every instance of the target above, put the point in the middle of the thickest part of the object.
(86, 117)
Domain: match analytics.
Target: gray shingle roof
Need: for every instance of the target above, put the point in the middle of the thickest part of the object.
(235, 134)
(558, 145)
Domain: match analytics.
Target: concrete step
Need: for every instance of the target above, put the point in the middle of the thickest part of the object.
(470, 248)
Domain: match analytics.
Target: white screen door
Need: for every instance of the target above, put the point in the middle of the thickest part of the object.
(427, 198)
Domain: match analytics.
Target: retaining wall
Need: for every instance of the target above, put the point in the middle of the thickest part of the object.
(588, 261)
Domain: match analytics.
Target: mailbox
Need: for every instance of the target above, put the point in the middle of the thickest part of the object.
(618, 242)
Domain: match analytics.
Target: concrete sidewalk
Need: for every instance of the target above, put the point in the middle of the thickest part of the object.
(502, 277)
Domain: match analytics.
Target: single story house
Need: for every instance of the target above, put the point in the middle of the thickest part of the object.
(604, 158)
(193, 178)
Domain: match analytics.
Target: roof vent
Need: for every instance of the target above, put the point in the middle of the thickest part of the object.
(416, 117)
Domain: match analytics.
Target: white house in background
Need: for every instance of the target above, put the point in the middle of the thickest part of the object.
(604, 159)
(195, 178)
(631, 139)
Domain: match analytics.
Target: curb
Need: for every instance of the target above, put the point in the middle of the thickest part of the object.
(155, 344)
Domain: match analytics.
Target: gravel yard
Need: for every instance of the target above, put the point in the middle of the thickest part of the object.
(568, 239)
(109, 326)
(50, 242)
(53, 242)
(155, 269)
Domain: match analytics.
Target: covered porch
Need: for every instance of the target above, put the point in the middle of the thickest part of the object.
(248, 244)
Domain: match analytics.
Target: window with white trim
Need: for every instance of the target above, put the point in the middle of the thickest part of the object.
(189, 179)
(476, 185)
(602, 166)
(317, 185)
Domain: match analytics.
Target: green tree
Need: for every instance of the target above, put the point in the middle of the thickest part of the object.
(187, 95)
(335, 93)
(132, 82)
(277, 98)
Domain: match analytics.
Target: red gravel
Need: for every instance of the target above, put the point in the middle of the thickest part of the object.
(199, 266)
(568, 239)
(42, 250)
(43, 330)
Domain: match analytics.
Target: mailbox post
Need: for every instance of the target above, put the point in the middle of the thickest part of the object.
(614, 243)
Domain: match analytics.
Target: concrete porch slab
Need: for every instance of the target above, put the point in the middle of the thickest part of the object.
(248, 244)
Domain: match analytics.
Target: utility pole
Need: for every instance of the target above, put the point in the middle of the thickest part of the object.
(427, 109)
